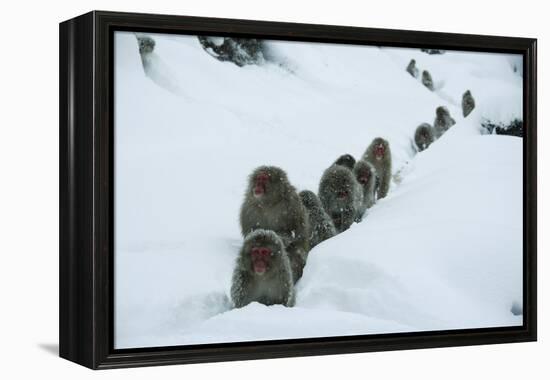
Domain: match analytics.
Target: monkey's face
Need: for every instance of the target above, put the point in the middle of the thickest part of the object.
(267, 183)
(260, 258)
(260, 184)
(343, 191)
(343, 194)
(364, 176)
(380, 149)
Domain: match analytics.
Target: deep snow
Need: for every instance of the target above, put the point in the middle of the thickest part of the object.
(442, 251)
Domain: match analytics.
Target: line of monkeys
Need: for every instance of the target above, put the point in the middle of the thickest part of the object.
(425, 134)
(280, 225)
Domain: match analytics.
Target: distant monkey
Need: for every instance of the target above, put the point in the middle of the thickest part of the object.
(340, 195)
(365, 174)
(262, 273)
(423, 136)
(412, 69)
(272, 203)
(322, 227)
(427, 80)
(378, 154)
(346, 160)
(443, 121)
(146, 44)
(468, 103)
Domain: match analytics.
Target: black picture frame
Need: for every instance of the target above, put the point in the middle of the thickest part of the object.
(86, 190)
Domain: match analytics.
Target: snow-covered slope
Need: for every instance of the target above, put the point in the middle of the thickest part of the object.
(442, 251)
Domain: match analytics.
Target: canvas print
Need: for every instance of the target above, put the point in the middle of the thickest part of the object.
(270, 190)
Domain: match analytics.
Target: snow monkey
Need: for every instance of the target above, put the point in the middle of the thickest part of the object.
(272, 203)
(322, 227)
(443, 121)
(365, 174)
(262, 273)
(378, 154)
(423, 136)
(340, 195)
(412, 69)
(146, 44)
(427, 80)
(346, 160)
(468, 103)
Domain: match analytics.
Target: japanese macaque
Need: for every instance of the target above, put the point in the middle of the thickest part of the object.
(423, 136)
(427, 80)
(322, 227)
(346, 160)
(468, 103)
(365, 174)
(272, 203)
(262, 273)
(443, 121)
(340, 195)
(412, 69)
(378, 154)
(146, 44)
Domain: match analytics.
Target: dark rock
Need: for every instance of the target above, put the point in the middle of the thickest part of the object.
(240, 51)
(514, 128)
(433, 51)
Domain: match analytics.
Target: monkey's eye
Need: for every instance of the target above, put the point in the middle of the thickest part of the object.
(265, 252)
(262, 177)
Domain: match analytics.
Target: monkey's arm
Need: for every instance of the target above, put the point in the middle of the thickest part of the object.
(239, 289)
(383, 190)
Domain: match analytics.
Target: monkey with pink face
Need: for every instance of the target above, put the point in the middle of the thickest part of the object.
(378, 154)
(272, 203)
(262, 272)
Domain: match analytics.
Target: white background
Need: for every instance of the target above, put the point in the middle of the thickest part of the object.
(29, 187)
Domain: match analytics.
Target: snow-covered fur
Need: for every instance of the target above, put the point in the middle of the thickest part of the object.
(423, 136)
(468, 103)
(412, 69)
(443, 121)
(365, 174)
(382, 165)
(427, 80)
(322, 227)
(340, 195)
